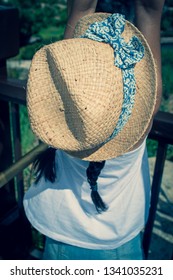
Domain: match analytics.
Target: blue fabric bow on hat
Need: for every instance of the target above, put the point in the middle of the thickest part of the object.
(109, 31)
(126, 55)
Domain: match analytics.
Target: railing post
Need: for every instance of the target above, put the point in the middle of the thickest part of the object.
(15, 231)
(17, 151)
(155, 189)
(9, 33)
(7, 195)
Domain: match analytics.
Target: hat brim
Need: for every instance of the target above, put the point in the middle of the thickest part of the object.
(142, 113)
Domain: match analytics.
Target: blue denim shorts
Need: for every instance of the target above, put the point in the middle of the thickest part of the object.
(55, 250)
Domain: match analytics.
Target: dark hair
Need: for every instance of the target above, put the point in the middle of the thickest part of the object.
(44, 165)
(93, 172)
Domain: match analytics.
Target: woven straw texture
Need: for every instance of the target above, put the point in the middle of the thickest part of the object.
(75, 95)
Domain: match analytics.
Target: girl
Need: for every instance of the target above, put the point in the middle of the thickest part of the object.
(92, 99)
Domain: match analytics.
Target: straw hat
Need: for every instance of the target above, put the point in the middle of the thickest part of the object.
(75, 95)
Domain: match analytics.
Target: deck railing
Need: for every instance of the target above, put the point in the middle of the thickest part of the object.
(13, 94)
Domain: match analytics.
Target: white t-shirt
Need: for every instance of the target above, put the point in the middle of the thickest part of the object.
(64, 211)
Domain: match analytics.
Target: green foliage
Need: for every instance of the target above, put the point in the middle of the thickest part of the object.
(36, 15)
(15, 74)
(167, 70)
(52, 33)
(27, 136)
(167, 20)
(38, 239)
(28, 51)
(48, 35)
(151, 147)
(167, 99)
(170, 152)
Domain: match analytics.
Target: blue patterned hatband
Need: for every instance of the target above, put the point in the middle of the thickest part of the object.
(126, 56)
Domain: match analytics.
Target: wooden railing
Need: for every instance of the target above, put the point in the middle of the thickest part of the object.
(13, 93)
(12, 164)
(162, 132)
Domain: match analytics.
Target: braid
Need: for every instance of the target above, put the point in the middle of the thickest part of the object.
(44, 165)
(93, 171)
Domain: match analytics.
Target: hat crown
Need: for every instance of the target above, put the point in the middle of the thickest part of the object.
(86, 84)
